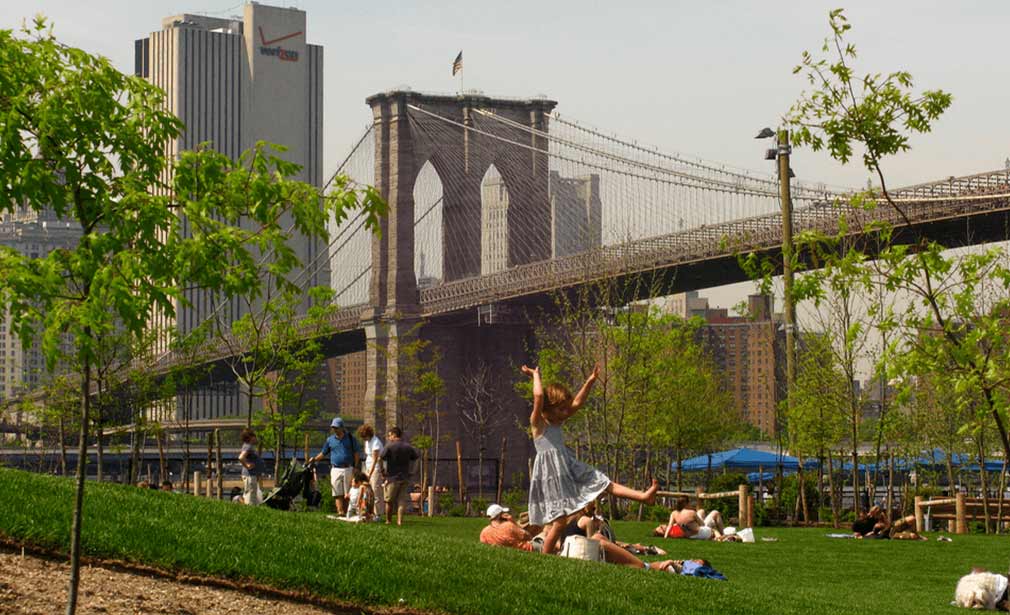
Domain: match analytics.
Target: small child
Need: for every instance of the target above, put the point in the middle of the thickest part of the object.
(561, 484)
(361, 496)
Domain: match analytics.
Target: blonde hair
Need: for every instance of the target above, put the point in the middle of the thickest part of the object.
(556, 396)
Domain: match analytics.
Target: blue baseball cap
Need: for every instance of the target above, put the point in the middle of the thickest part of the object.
(337, 422)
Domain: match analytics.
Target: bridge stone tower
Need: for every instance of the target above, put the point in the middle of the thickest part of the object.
(406, 137)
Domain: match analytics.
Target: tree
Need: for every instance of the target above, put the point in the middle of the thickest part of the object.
(89, 142)
(819, 416)
(481, 410)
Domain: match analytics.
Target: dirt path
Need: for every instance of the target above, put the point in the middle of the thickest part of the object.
(34, 586)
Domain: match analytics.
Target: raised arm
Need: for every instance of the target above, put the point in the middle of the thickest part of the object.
(580, 397)
(536, 417)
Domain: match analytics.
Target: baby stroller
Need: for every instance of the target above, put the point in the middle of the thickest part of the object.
(296, 480)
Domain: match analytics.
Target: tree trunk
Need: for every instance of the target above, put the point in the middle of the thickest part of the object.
(210, 461)
(983, 479)
(802, 495)
(680, 469)
(501, 470)
(890, 482)
(857, 503)
(100, 467)
(220, 466)
(1002, 490)
(162, 468)
(63, 446)
(836, 510)
(82, 462)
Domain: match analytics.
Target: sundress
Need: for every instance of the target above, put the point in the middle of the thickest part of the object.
(561, 484)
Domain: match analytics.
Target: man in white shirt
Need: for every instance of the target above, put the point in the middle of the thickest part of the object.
(372, 466)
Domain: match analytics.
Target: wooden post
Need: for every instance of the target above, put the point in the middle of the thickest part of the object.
(306, 445)
(501, 471)
(210, 461)
(961, 526)
(697, 497)
(920, 522)
(750, 511)
(459, 472)
(197, 479)
(742, 499)
(220, 467)
(431, 501)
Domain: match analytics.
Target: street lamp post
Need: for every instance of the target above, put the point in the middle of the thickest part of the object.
(781, 156)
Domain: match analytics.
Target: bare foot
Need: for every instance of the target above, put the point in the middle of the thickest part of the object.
(650, 493)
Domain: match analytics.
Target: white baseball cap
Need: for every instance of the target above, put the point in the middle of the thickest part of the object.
(494, 510)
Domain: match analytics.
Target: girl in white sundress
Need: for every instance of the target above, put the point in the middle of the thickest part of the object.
(562, 485)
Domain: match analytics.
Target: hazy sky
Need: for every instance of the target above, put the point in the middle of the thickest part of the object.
(696, 77)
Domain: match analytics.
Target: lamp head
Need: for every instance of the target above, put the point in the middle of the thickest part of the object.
(765, 133)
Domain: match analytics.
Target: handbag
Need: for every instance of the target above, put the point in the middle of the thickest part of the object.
(580, 547)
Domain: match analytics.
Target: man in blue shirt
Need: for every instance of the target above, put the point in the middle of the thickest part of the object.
(344, 454)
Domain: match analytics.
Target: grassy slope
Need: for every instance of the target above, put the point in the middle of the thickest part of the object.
(437, 563)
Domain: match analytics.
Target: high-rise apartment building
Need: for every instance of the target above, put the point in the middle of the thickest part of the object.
(748, 350)
(33, 234)
(234, 82)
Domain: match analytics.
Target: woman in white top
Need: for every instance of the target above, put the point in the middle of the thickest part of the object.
(372, 466)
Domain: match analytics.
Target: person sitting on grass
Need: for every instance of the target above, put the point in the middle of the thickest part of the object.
(873, 524)
(503, 531)
(983, 590)
(166, 485)
(359, 500)
(688, 522)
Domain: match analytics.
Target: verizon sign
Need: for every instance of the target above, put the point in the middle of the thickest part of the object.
(267, 47)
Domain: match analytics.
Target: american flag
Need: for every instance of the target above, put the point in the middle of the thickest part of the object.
(457, 64)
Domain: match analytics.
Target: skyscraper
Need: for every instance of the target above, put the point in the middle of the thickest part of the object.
(234, 82)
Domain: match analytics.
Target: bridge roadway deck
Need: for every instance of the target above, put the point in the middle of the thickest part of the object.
(956, 211)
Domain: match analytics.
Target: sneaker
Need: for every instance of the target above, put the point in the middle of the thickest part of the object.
(944, 539)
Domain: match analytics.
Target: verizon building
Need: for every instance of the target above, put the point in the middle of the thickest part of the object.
(234, 82)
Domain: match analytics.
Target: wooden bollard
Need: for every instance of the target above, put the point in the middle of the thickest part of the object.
(697, 498)
(750, 511)
(306, 446)
(743, 506)
(961, 525)
(197, 479)
(920, 522)
(431, 501)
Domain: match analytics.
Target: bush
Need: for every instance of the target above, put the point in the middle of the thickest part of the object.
(790, 490)
(729, 507)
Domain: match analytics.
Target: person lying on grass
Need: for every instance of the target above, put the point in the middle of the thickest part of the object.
(584, 523)
(876, 525)
(560, 484)
(597, 526)
(983, 590)
(688, 522)
(503, 531)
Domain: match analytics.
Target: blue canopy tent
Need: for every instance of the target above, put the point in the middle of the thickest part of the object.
(742, 459)
(935, 459)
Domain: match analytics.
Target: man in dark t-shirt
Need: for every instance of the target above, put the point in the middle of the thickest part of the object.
(398, 457)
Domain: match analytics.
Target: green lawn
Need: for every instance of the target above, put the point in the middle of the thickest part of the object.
(437, 563)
